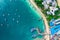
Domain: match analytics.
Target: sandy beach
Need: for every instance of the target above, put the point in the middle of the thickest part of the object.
(58, 2)
(44, 18)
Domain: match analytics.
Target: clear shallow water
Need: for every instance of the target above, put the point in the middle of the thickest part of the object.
(16, 20)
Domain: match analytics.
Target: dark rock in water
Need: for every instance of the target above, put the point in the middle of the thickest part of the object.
(33, 29)
(40, 19)
(41, 34)
(34, 36)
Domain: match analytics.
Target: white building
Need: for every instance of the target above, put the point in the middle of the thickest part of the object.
(53, 9)
(45, 5)
(54, 4)
(48, 1)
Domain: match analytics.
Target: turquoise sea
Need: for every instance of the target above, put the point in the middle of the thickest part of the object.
(17, 17)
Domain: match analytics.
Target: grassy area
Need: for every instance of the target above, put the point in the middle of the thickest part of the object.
(38, 2)
(48, 17)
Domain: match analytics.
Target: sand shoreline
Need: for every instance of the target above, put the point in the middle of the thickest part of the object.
(58, 2)
(44, 18)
